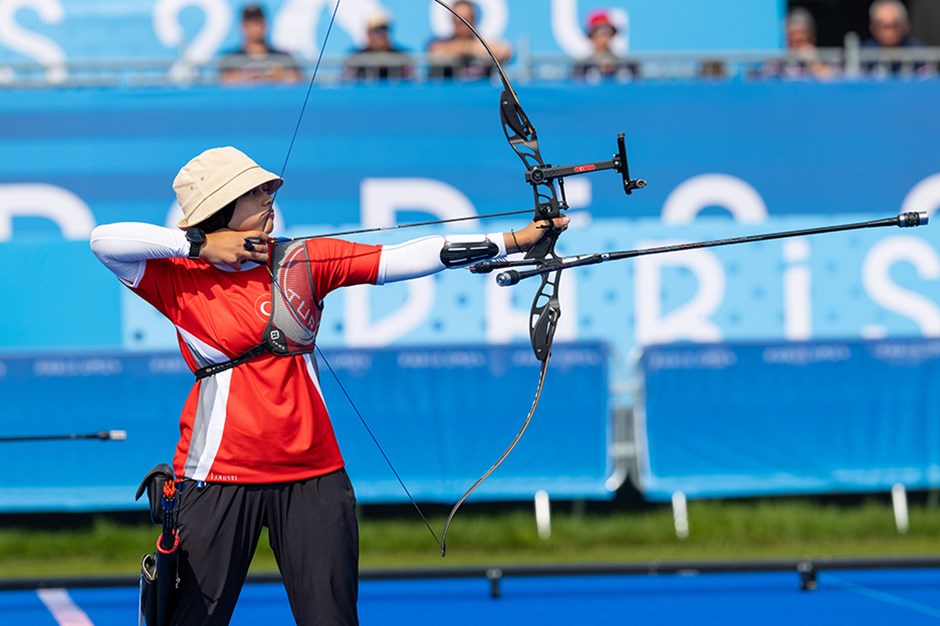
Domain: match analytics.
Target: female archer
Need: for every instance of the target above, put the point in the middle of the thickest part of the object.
(256, 446)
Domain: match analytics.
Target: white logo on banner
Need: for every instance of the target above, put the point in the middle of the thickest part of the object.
(690, 197)
(216, 24)
(925, 196)
(361, 330)
(381, 200)
(876, 276)
(797, 291)
(689, 321)
(41, 49)
(61, 206)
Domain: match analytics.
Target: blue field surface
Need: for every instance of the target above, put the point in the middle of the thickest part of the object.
(886, 596)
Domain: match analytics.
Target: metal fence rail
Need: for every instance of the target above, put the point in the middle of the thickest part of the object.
(851, 61)
(807, 571)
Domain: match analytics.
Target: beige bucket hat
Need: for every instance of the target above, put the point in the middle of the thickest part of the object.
(215, 178)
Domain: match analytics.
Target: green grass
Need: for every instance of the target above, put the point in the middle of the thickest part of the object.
(784, 528)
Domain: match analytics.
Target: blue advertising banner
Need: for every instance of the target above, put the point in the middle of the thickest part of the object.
(722, 160)
(376, 156)
(789, 418)
(56, 32)
(440, 440)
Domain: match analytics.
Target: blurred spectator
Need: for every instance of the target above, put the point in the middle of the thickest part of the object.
(603, 61)
(256, 61)
(713, 68)
(802, 56)
(890, 29)
(379, 59)
(462, 55)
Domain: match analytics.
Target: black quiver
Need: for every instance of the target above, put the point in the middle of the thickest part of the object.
(159, 570)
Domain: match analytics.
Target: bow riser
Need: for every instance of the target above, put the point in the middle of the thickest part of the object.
(544, 315)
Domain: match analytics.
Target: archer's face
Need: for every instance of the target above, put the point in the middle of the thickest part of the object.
(255, 209)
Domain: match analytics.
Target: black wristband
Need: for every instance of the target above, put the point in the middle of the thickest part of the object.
(197, 239)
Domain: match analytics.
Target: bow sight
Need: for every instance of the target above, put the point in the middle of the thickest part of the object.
(548, 174)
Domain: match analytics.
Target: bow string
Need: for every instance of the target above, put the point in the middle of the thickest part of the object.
(547, 184)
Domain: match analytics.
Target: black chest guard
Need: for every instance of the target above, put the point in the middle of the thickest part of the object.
(295, 309)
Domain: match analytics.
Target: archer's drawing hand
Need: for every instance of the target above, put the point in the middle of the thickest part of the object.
(228, 247)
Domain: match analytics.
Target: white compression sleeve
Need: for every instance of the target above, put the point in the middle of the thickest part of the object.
(124, 247)
(421, 257)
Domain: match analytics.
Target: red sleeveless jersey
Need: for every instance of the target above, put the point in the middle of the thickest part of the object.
(265, 420)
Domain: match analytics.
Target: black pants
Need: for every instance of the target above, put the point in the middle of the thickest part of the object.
(313, 531)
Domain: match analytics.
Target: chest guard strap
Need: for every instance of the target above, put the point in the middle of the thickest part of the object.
(215, 368)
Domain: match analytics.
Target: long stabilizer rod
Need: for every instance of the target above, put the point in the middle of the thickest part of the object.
(104, 435)
(511, 277)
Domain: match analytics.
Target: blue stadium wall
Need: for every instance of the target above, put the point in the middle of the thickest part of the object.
(722, 159)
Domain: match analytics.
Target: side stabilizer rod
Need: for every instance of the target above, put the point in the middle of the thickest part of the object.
(104, 435)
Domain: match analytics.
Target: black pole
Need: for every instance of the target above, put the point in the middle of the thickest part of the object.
(511, 277)
(104, 435)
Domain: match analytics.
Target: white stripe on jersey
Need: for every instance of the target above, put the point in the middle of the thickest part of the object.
(310, 360)
(203, 353)
(209, 421)
(208, 425)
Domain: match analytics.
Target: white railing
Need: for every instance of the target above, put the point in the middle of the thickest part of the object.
(849, 62)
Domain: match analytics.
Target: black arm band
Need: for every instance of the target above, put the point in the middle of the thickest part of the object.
(457, 254)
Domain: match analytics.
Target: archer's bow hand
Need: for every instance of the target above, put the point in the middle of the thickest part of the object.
(523, 240)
